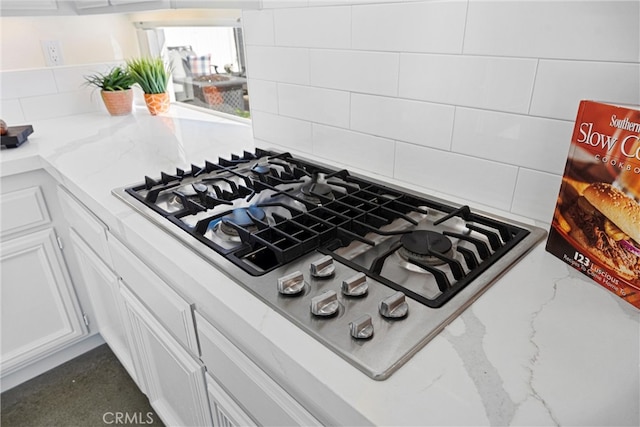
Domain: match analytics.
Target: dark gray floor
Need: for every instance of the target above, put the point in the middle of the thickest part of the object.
(90, 390)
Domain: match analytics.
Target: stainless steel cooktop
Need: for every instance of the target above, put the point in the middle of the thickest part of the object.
(372, 271)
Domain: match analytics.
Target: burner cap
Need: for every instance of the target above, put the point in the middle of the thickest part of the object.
(261, 168)
(241, 218)
(423, 242)
(316, 192)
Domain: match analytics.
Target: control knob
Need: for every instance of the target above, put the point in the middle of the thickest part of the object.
(326, 304)
(394, 306)
(362, 327)
(323, 267)
(356, 285)
(291, 284)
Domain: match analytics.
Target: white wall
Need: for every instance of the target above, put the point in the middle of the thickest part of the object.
(472, 98)
(29, 90)
(84, 39)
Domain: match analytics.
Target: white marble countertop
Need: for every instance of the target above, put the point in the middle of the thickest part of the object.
(543, 346)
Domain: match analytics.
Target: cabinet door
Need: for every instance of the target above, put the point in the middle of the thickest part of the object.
(108, 309)
(249, 385)
(224, 410)
(173, 380)
(40, 312)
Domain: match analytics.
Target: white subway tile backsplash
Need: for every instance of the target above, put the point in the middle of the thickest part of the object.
(69, 79)
(587, 30)
(536, 194)
(258, 27)
(518, 140)
(263, 95)
(327, 27)
(11, 112)
(22, 84)
(282, 64)
(314, 104)
(503, 84)
(435, 27)
(418, 122)
(61, 104)
(281, 130)
(356, 71)
(480, 88)
(560, 85)
(360, 150)
(474, 179)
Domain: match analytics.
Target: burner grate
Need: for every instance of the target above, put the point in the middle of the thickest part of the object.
(345, 210)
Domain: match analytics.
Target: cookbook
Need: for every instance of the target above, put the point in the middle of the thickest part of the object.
(596, 222)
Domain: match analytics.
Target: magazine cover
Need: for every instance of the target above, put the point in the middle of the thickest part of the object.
(596, 222)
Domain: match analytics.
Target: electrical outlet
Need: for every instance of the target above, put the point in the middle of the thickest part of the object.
(52, 52)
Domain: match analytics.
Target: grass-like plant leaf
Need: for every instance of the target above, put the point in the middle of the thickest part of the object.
(117, 78)
(152, 74)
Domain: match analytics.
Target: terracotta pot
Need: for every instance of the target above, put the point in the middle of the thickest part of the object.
(212, 95)
(119, 102)
(157, 102)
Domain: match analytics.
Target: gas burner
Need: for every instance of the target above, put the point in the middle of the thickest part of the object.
(261, 168)
(242, 218)
(176, 200)
(420, 245)
(316, 192)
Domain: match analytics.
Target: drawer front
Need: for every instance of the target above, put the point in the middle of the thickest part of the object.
(164, 303)
(86, 224)
(253, 389)
(22, 210)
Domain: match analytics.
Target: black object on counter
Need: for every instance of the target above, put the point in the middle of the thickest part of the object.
(16, 136)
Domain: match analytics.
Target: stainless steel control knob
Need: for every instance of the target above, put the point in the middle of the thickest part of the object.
(322, 267)
(394, 306)
(362, 327)
(291, 284)
(356, 285)
(326, 304)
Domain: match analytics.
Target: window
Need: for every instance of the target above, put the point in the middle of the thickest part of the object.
(208, 65)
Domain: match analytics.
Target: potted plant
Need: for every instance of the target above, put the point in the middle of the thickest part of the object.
(152, 75)
(115, 89)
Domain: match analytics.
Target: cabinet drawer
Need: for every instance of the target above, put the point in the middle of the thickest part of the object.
(23, 209)
(86, 224)
(254, 390)
(164, 303)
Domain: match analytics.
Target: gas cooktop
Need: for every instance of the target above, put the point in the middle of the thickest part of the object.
(371, 270)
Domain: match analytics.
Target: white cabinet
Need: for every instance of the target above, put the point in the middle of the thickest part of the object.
(172, 379)
(118, 6)
(86, 224)
(250, 387)
(87, 4)
(40, 313)
(173, 311)
(225, 412)
(108, 309)
(22, 210)
(216, 4)
(29, 5)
